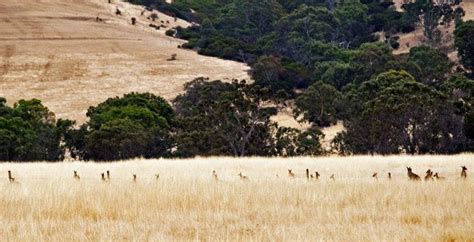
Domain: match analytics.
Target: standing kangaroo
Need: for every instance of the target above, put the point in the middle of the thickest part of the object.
(214, 174)
(436, 175)
(411, 175)
(291, 174)
(429, 175)
(307, 174)
(76, 176)
(102, 175)
(316, 175)
(134, 177)
(10, 177)
(390, 176)
(464, 172)
(108, 175)
(242, 177)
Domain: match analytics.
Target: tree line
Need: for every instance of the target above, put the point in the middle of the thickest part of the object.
(391, 113)
(321, 57)
(210, 118)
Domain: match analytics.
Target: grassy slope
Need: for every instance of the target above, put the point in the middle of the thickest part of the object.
(55, 51)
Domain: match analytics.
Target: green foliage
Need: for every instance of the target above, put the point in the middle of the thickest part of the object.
(428, 65)
(218, 118)
(464, 42)
(29, 132)
(292, 142)
(371, 59)
(396, 114)
(432, 14)
(318, 104)
(117, 139)
(461, 92)
(300, 36)
(268, 71)
(122, 128)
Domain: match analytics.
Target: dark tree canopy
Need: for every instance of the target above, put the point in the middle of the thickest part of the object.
(396, 114)
(135, 125)
(219, 118)
(464, 42)
(30, 132)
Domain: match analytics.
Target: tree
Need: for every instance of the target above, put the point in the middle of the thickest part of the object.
(293, 142)
(218, 118)
(318, 104)
(267, 71)
(403, 116)
(137, 124)
(338, 74)
(354, 23)
(461, 92)
(29, 132)
(371, 59)
(117, 139)
(428, 65)
(464, 42)
(432, 14)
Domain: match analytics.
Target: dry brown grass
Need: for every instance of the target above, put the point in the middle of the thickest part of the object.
(187, 204)
(416, 38)
(54, 50)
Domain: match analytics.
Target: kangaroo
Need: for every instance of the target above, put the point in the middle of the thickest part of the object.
(103, 176)
(375, 176)
(436, 175)
(173, 57)
(108, 175)
(429, 175)
(242, 177)
(76, 176)
(316, 175)
(214, 174)
(311, 176)
(464, 172)
(134, 177)
(291, 174)
(10, 177)
(411, 175)
(332, 177)
(390, 176)
(307, 174)
(157, 176)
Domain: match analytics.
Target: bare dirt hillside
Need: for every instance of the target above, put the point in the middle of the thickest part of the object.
(56, 51)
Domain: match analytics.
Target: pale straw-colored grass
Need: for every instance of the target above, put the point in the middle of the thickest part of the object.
(186, 203)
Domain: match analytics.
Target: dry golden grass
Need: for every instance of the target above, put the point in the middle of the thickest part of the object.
(54, 50)
(187, 204)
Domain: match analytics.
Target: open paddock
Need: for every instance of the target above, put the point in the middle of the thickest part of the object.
(46, 202)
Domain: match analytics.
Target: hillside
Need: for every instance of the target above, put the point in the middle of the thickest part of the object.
(54, 50)
(416, 37)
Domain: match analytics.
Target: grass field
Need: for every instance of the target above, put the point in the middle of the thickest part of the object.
(186, 203)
